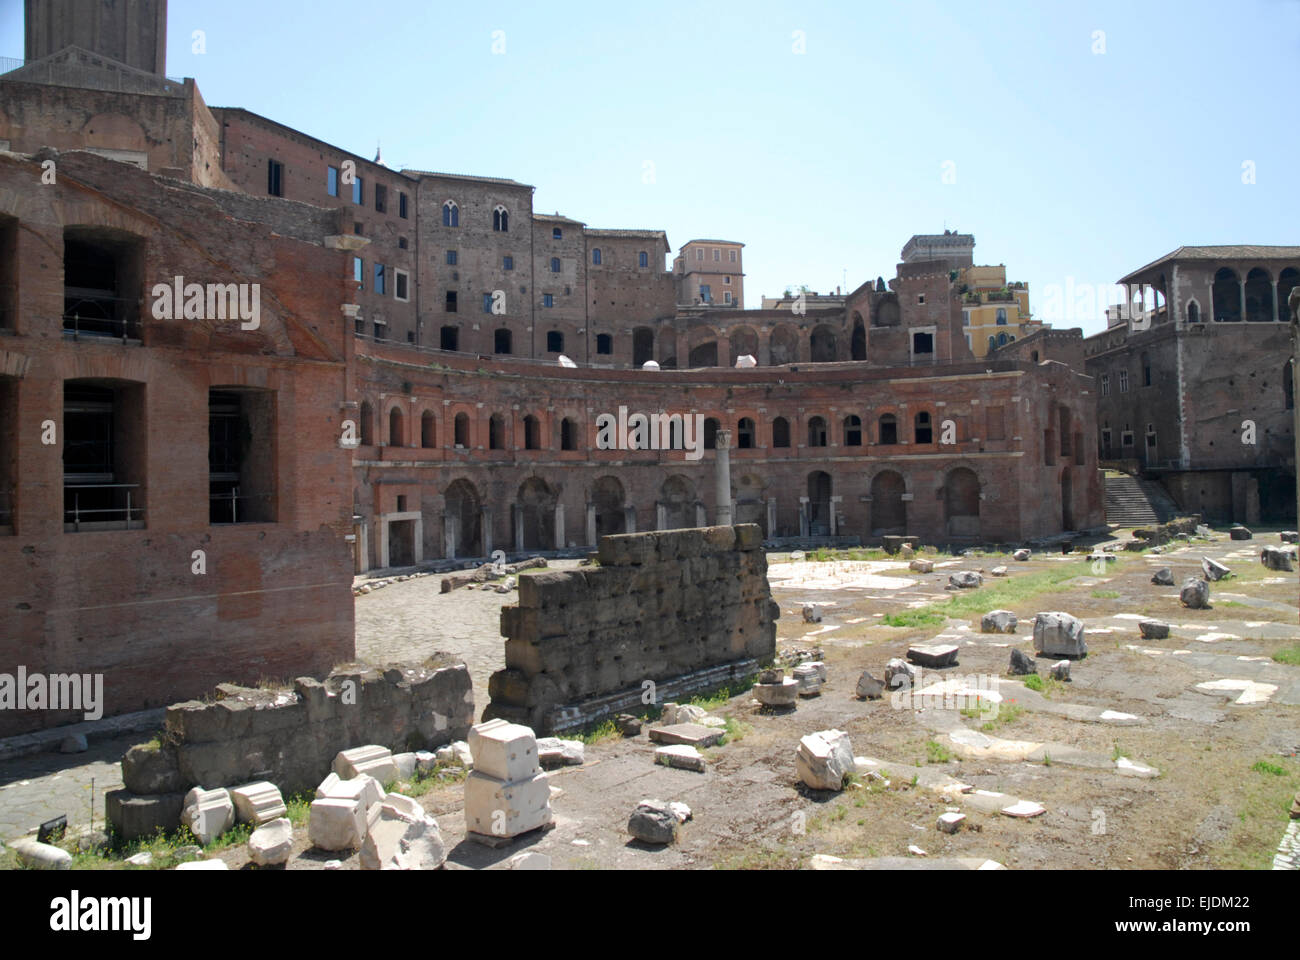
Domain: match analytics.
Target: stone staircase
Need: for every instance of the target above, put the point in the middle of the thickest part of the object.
(1133, 502)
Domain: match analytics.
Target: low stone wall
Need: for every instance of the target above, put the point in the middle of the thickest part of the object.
(288, 737)
(684, 609)
(1164, 533)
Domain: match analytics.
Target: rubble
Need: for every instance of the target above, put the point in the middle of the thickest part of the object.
(823, 759)
(653, 821)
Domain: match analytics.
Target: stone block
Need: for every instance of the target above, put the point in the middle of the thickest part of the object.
(507, 751)
(681, 756)
(365, 790)
(1153, 629)
(1061, 671)
(148, 769)
(405, 764)
(134, 817)
(258, 803)
(208, 813)
(554, 752)
(898, 673)
(1058, 634)
(869, 688)
(809, 679)
(271, 843)
(1213, 569)
(401, 836)
(1290, 536)
(922, 566)
(653, 821)
(1022, 665)
(336, 823)
(328, 784)
(812, 613)
(1022, 554)
(823, 758)
(951, 821)
(749, 536)
(933, 654)
(1163, 577)
(674, 713)
(965, 580)
(529, 860)
(40, 856)
(998, 621)
(1195, 594)
(497, 808)
(373, 760)
(691, 734)
(1275, 558)
(782, 694)
(1238, 532)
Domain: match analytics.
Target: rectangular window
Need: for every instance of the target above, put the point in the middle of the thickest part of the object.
(555, 264)
(400, 290)
(727, 281)
(381, 198)
(359, 273)
(358, 191)
(487, 303)
(548, 300)
(401, 205)
(557, 233)
(450, 303)
(1105, 384)
(706, 295)
(380, 278)
(451, 258)
(699, 253)
(726, 296)
(103, 456)
(643, 259)
(401, 243)
(1123, 381)
(101, 285)
(507, 263)
(275, 178)
(732, 258)
(241, 456)
(449, 338)
(332, 181)
(717, 254)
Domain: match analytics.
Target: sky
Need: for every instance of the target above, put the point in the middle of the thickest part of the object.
(1077, 142)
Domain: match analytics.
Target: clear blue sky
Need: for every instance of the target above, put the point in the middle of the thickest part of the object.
(1068, 163)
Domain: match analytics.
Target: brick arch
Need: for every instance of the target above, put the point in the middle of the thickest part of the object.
(114, 131)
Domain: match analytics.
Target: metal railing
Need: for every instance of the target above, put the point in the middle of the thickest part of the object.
(120, 510)
(236, 507)
(94, 313)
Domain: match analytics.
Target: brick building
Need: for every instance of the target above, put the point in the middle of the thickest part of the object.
(428, 311)
(1194, 382)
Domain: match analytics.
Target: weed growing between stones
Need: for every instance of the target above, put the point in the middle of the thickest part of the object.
(935, 752)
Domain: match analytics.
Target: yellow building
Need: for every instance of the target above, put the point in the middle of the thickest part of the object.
(993, 312)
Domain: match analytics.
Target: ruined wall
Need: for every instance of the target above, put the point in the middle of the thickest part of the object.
(660, 607)
(290, 738)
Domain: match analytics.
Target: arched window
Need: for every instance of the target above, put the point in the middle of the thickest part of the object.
(500, 219)
(532, 433)
(1259, 297)
(852, 430)
(568, 434)
(595, 256)
(1226, 292)
(816, 432)
(922, 428)
(1002, 316)
(745, 434)
(554, 341)
(502, 341)
(604, 343)
(396, 437)
(1287, 280)
(643, 259)
(1193, 313)
(993, 343)
(1002, 339)
(462, 430)
(780, 432)
(496, 432)
(428, 430)
(888, 429)
(450, 214)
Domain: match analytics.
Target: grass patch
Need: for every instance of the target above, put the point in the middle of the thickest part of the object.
(1007, 713)
(1106, 594)
(920, 617)
(733, 731)
(935, 752)
(1034, 682)
(762, 858)
(1289, 655)
(1263, 766)
(710, 701)
(608, 730)
(992, 596)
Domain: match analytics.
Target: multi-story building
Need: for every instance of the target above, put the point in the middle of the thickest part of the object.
(958, 249)
(709, 273)
(994, 312)
(1194, 385)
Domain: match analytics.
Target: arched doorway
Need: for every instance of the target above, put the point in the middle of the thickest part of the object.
(677, 497)
(961, 503)
(888, 508)
(783, 345)
(607, 497)
(822, 344)
(536, 502)
(461, 513)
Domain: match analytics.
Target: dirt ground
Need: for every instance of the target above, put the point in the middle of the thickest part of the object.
(1226, 770)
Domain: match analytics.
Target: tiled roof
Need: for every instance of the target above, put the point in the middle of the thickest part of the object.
(1239, 251)
(466, 176)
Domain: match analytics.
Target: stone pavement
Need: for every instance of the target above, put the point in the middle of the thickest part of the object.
(41, 786)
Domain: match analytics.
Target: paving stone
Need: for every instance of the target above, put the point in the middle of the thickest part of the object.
(681, 756)
(1024, 809)
(554, 752)
(933, 654)
(950, 822)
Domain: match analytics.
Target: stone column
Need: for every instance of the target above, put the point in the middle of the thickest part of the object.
(805, 525)
(450, 535)
(771, 517)
(701, 517)
(661, 516)
(1241, 289)
(1278, 311)
(591, 525)
(835, 501)
(485, 528)
(560, 541)
(629, 519)
(722, 476)
(519, 526)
